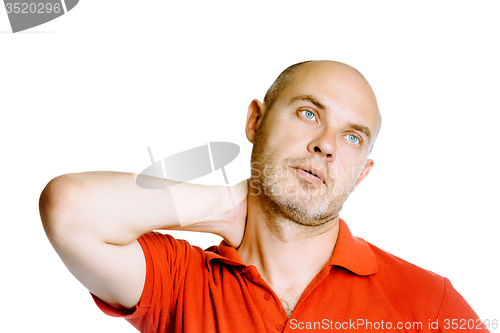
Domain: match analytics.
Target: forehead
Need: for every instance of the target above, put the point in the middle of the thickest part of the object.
(343, 91)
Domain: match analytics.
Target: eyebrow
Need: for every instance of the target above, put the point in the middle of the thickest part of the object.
(362, 129)
(308, 98)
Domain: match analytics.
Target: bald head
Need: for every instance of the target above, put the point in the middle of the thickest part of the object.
(281, 83)
(342, 78)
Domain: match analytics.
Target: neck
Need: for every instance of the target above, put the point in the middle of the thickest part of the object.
(286, 254)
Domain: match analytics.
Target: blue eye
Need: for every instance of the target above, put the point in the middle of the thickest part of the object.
(308, 114)
(352, 138)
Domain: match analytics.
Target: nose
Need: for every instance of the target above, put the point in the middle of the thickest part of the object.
(324, 144)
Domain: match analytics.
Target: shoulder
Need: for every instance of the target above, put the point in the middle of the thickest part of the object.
(393, 268)
(408, 286)
(418, 292)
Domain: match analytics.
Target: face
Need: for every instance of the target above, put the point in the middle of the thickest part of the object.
(310, 151)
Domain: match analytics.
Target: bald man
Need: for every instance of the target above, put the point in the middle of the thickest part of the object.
(287, 262)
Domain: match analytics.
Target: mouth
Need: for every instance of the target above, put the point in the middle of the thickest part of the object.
(311, 174)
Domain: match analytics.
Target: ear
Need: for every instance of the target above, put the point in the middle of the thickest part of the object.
(364, 173)
(254, 116)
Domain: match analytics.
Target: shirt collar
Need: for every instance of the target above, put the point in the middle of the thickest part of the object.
(352, 253)
(224, 253)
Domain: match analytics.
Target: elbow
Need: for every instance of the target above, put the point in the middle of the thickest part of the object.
(53, 204)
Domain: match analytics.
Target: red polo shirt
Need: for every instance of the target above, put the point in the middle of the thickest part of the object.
(361, 288)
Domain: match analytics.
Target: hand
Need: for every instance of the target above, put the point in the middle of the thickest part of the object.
(236, 220)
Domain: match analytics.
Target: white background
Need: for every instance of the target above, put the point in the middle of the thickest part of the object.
(94, 88)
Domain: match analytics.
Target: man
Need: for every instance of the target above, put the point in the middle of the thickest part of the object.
(288, 263)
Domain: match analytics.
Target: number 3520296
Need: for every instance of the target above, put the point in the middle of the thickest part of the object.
(32, 8)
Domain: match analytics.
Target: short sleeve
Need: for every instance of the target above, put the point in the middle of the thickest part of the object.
(166, 263)
(456, 315)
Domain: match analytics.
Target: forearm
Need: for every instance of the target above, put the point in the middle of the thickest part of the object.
(111, 207)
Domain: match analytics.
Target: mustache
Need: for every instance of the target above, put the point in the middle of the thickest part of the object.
(268, 165)
(305, 161)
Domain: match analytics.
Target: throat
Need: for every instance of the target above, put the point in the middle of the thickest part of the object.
(289, 303)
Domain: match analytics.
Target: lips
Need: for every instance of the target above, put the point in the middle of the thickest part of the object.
(317, 172)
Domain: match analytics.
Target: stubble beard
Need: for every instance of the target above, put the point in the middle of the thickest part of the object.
(282, 194)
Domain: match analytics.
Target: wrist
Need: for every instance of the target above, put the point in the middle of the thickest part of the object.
(229, 201)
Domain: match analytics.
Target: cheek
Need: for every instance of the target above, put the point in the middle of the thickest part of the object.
(295, 136)
(286, 139)
(345, 170)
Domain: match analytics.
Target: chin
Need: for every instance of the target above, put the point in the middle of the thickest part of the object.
(304, 203)
(309, 213)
